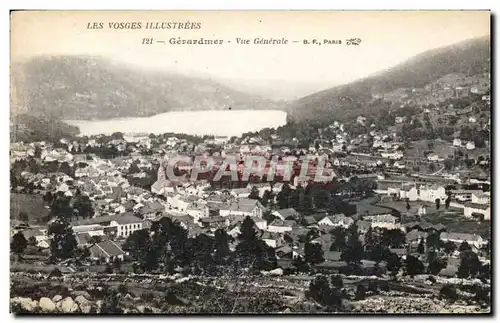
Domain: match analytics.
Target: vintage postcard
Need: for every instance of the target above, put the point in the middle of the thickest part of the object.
(228, 162)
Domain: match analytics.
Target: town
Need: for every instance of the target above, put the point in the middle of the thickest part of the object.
(407, 208)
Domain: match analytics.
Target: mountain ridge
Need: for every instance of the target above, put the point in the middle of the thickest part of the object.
(469, 57)
(91, 87)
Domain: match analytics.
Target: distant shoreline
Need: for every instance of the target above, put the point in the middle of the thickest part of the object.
(235, 123)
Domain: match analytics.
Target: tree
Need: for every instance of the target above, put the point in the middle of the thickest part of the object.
(447, 202)
(95, 239)
(111, 304)
(339, 239)
(438, 203)
(221, 245)
(469, 264)
(65, 168)
(464, 246)
(252, 251)
(393, 263)
(254, 193)
(267, 198)
(449, 247)
(449, 292)
(414, 266)
(283, 196)
(18, 244)
(134, 169)
(313, 253)
(360, 292)
(436, 265)
(433, 240)
(394, 238)
(83, 206)
(336, 281)
(353, 252)
(321, 292)
(23, 216)
(408, 207)
(141, 247)
(63, 242)
(421, 247)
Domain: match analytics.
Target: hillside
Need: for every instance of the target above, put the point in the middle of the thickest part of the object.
(79, 87)
(349, 101)
(30, 128)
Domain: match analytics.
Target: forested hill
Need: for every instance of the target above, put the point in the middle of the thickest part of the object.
(349, 101)
(80, 87)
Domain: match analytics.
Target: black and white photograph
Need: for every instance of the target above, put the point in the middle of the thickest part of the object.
(231, 162)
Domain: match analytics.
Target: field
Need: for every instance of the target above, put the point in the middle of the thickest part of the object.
(400, 206)
(442, 148)
(31, 204)
(451, 218)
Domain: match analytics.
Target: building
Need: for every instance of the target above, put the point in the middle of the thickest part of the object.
(480, 198)
(253, 209)
(464, 195)
(422, 210)
(430, 193)
(472, 239)
(336, 220)
(279, 226)
(475, 210)
(215, 222)
(284, 214)
(126, 224)
(385, 221)
(107, 250)
(470, 145)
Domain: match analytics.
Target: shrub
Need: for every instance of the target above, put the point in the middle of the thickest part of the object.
(449, 292)
(337, 281)
(55, 273)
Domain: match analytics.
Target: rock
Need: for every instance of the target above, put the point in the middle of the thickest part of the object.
(80, 299)
(84, 304)
(86, 307)
(56, 298)
(276, 272)
(68, 305)
(46, 305)
(81, 293)
(98, 305)
(26, 304)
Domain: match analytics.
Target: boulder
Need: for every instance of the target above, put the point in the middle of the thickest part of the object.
(68, 305)
(81, 293)
(98, 305)
(56, 298)
(26, 304)
(46, 305)
(86, 307)
(84, 304)
(276, 272)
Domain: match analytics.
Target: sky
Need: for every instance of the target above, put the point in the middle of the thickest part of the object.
(387, 38)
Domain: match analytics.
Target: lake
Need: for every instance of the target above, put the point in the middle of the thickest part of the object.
(218, 123)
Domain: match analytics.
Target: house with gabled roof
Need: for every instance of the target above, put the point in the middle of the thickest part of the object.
(458, 237)
(283, 214)
(251, 208)
(336, 220)
(107, 250)
(279, 225)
